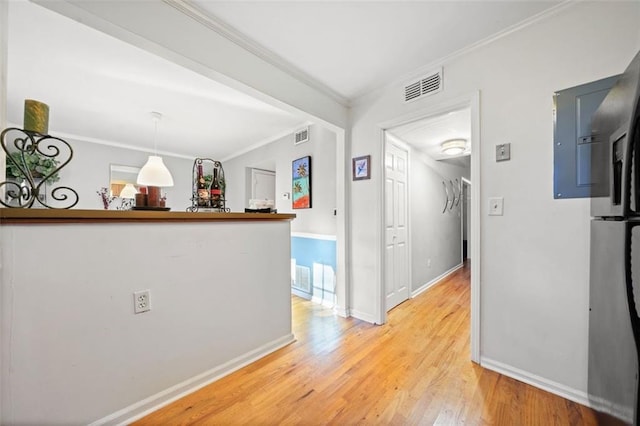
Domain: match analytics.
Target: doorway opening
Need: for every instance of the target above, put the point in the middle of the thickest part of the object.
(440, 201)
(262, 189)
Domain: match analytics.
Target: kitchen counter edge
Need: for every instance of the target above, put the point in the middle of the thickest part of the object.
(10, 216)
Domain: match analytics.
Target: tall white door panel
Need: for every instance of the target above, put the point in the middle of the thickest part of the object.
(396, 248)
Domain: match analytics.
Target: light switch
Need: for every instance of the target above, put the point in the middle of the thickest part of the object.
(503, 152)
(496, 205)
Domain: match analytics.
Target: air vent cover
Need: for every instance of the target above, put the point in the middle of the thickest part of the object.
(424, 86)
(301, 136)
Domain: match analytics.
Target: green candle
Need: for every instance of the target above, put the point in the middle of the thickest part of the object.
(36, 116)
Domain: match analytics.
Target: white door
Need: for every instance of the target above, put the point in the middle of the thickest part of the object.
(263, 185)
(396, 248)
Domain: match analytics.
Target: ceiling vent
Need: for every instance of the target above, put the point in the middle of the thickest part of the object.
(301, 136)
(423, 86)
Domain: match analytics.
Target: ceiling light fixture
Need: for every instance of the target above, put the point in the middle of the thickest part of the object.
(154, 172)
(453, 146)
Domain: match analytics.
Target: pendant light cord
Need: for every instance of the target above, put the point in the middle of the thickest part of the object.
(156, 117)
(155, 138)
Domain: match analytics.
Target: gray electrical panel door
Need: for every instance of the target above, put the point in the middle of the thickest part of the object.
(572, 145)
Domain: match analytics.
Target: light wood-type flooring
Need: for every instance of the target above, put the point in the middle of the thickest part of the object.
(414, 370)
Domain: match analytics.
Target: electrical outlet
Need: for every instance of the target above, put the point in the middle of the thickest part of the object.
(141, 301)
(428, 263)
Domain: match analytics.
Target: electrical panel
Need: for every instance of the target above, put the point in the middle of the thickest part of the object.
(572, 143)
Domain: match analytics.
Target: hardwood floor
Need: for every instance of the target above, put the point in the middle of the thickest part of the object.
(413, 370)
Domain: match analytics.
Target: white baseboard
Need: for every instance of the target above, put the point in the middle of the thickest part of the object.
(363, 316)
(341, 312)
(146, 406)
(300, 293)
(616, 410)
(434, 281)
(559, 389)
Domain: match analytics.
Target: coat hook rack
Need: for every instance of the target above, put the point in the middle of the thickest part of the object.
(453, 191)
(459, 188)
(446, 193)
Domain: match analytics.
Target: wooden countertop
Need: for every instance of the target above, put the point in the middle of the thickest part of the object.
(10, 216)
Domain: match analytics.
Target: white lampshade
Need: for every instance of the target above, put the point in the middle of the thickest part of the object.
(453, 146)
(129, 191)
(155, 173)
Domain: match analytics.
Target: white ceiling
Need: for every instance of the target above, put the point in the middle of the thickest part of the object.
(427, 135)
(354, 47)
(103, 89)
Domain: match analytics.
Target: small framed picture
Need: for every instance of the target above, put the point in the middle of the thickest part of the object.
(362, 167)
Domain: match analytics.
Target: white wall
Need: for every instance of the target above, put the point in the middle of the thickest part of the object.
(88, 171)
(4, 9)
(436, 239)
(76, 353)
(278, 156)
(535, 258)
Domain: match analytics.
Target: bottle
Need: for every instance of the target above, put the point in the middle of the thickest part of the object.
(216, 193)
(202, 192)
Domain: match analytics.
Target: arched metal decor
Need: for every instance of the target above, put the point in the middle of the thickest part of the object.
(21, 148)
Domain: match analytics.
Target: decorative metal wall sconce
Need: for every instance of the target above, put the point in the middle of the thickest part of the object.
(451, 199)
(446, 194)
(51, 154)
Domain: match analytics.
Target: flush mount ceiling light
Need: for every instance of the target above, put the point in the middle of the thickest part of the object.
(453, 146)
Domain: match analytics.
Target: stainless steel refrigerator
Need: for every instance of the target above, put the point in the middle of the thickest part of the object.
(614, 288)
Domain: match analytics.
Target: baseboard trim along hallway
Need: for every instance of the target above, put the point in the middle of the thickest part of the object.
(146, 406)
(435, 281)
(556, 388)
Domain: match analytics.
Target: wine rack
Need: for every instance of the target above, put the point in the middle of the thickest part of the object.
(197, 204)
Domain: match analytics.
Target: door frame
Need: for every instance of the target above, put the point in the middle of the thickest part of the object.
(470, 100)
(388, 138)
(254, 173)
(467, 212)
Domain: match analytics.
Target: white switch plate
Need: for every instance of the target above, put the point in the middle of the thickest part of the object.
(496, 206)
(503, 152)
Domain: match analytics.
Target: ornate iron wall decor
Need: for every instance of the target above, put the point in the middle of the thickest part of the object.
(208, 166)
(20, 145)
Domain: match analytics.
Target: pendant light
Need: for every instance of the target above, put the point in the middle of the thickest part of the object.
(129, 191)
(154, 172)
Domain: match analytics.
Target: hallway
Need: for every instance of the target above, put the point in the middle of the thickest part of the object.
(413, 370)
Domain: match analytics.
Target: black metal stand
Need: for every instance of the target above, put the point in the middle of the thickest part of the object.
(207, 205)
(31, 185)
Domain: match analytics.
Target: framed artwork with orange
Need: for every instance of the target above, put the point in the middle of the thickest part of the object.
(301, 183)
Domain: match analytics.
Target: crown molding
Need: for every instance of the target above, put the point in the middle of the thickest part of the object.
(243, 41)
(106, 142)
(368, 95)
(98, 141)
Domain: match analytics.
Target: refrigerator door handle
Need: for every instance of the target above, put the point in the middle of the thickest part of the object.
(631, 304)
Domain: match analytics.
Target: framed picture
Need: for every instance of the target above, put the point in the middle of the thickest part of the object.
(362, 167)
(301, 183)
